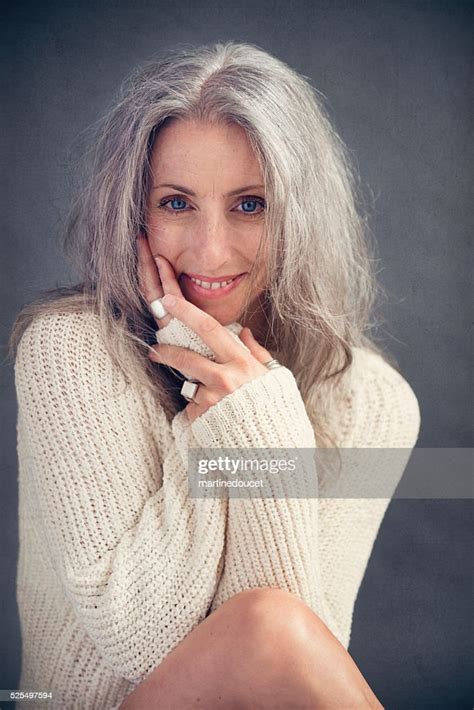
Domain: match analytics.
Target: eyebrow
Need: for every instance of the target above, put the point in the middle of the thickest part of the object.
(187, 191)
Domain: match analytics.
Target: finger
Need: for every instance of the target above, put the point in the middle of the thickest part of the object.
(168, 278)
(148, 276)
(192, 412)
(220, 341)
(189, 363)
(195, 409)
(258, 351)
(150, 285)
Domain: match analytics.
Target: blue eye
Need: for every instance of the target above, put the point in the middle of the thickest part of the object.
(249, 204)
(175, 208)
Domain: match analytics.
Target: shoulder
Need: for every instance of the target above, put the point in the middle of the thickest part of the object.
(370, 366)
(60, 328)
(371, 406)
(372, 374)
(385, 407)
(51, 337)
(66, 377)
(66, 353)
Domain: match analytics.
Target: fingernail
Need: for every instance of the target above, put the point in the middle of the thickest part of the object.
(168, 300)
(157, 308)
(158, 261)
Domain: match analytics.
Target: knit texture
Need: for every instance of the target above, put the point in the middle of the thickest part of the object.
(117, 563)
(178, 333)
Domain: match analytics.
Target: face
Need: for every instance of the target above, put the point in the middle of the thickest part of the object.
(206, 212)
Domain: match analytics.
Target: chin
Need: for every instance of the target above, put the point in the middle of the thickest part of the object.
(225, 320)
(225, 317)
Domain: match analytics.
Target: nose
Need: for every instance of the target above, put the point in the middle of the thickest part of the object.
(212, 243)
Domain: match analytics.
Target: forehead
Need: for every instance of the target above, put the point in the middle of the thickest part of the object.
(204, 149)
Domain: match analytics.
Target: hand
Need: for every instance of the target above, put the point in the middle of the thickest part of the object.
(152, 283)
(233, 365)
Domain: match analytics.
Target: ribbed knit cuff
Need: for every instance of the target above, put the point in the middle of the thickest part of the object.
(178, 333)
(268, 411)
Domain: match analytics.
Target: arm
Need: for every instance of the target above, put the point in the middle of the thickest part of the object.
(138, 559)
(270, 542)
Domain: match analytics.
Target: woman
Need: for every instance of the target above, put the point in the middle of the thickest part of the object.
(217, 164)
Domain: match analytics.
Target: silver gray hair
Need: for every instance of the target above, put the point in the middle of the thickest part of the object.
(321, 285)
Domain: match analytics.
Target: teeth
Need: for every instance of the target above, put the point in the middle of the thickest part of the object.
(213, 285)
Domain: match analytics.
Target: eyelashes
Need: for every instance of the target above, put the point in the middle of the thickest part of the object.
(243, 200)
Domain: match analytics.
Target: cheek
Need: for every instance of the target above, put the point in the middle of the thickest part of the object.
(248, 238)
(163, 238)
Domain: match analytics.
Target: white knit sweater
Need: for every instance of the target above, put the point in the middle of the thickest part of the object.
(117, 563)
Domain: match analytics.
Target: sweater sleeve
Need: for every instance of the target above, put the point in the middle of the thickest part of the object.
(178, 333)
(270, 541)
(138, 558)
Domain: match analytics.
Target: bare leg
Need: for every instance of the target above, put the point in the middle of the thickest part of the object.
(264, 648)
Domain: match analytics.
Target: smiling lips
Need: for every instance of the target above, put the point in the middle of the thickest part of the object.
(212, 287)
(213, 279)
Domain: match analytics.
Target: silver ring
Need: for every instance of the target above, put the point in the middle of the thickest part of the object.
(272, 364)
(189, 389)
(158, 309)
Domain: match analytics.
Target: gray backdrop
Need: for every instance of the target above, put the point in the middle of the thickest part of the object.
(396, 76)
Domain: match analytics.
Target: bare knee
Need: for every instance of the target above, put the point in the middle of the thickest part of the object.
(287, 650)
(269, 610)
(270, 625)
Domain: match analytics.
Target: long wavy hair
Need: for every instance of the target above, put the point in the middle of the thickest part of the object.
(321, 288)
